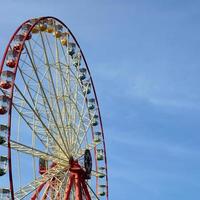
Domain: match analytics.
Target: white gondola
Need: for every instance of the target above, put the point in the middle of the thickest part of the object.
(71, 48)
(4, 194)
(86, 87)
(3, 133)
(100, 154)
(36, 27)
(64, 38)
(11, 59)
(91, 104)
(6, 79)
(18, 42)
(95, 120)
(58, 28)
(101, 172)
(42, 26)
(83, 73)
(4, 100)
(97, 137)
(83, 70)
(77, 59)
(102, 190)
(50, 26)
(25, 29)
(3, 165)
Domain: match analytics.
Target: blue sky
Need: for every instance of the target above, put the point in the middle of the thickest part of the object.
(144, 59)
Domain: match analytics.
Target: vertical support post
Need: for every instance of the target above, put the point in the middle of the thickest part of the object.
(78, 190)
(44, 197)
(69, 187)
(38, 191)
(87, 194)
(77, 178)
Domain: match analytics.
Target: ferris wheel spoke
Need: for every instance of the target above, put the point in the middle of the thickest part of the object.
(62, 89)
(44, 196)
(92, 191)
(67, 83)
(91, 146)
(40, 111)
(27, 112)
(29, 188)
(85, 133)
(31, 125)
(75, 108)
(74, 103)
(48, 104)
(37, 93)
(28, 119)
(28, 84)
(42, 74)
(63, 78)
(51, 81)
(97, 174)
(56, 186)
(82, 120)
(43, 124)
(52, 187)
(50, 49)
(80, 125)
(23, 110)
(61, 189)
(35, 152)
(73, 127)
(19, 102)
(36, 43)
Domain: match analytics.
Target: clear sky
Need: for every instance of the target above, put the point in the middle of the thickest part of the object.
(144, 56)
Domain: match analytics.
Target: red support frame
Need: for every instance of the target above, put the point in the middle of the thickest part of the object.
(38, 191)
(77, 178)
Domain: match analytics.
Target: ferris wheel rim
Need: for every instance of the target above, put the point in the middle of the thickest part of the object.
(12, 91)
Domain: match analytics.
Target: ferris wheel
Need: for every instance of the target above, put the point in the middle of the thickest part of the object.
(51, 136)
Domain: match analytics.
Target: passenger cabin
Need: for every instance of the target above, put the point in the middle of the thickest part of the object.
(4, 100)
(102, 190)
(71, 48)
(42, 26)
(82, 74)
(3, 133)
(86, 87)
(18, 42)
(35, 29)
(91, 104)
(97, 137)
(11, 60)
(77, 59)
(3, 165)
(100, 154)
(58, 28)
(43, 165)
(25, 29)
(49, 23)
(6, 79)
(63, 39)
(5, 194)
(95, 120)
(101, 172)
